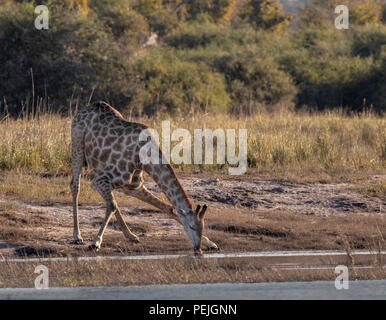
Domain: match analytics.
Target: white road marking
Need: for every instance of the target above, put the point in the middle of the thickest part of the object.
(264, 254)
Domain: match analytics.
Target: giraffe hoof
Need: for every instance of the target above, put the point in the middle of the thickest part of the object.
(135, 240)
(77, 241)
(198, 253)
(93, 247)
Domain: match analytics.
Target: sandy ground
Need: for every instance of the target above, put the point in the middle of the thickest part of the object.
(307, 199)
(30, 229)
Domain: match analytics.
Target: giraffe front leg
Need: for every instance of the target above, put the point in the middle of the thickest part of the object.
(97, 242)
(125, 229)
(209, 244)
(145, 195)
(102, 184)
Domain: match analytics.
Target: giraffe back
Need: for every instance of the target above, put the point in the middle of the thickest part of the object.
(110, 142)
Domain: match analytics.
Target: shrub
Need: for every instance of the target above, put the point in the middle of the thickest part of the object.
(329, 83)
(160, 17)
(195, 35)
(71, 59)
(166, 83)
(366, 12)
(369, 41)
(125, 23)
(319, 13)
(254, 80)
(328, 71)
(244, 56)
(219, 11)
(265, 14)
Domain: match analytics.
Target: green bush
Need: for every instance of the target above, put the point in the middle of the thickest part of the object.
(72, 59)
(245, 57)
(254, 81)
(198, 34)
(329, 72)
(218, 11)
(125, 23)
(159, 15)
(205, 34)
(377, 96)
(167, 84)
(265, 14)
(331, 82)
(199, 65)
(369, 41)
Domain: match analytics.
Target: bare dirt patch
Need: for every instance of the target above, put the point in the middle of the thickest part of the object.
(245, 215)
(308, 199)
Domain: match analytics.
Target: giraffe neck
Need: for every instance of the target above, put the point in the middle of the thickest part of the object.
(166, 179)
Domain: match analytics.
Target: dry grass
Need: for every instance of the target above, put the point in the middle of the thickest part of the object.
(183, 270)
(374, 189)
(34, 188)
(289, 144)
(41, 144)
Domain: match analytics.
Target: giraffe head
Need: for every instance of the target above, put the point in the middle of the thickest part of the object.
(194, 227)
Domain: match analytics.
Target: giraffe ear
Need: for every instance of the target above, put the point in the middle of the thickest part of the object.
(202, 212)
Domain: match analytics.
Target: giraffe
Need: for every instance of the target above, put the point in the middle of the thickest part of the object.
(110, 145)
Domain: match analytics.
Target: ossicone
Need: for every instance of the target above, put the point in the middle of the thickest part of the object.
(200, 212)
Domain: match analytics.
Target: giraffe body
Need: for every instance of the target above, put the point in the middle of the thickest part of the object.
(110, 145)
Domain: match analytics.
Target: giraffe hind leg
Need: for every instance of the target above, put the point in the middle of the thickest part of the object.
(78, 159)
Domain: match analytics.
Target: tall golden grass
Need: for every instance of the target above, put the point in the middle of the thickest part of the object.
(326, 142)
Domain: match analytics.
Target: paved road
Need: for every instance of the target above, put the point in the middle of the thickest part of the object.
(367, 289)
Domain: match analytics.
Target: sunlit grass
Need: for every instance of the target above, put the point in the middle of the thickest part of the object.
(284, 142)
(34, 188)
